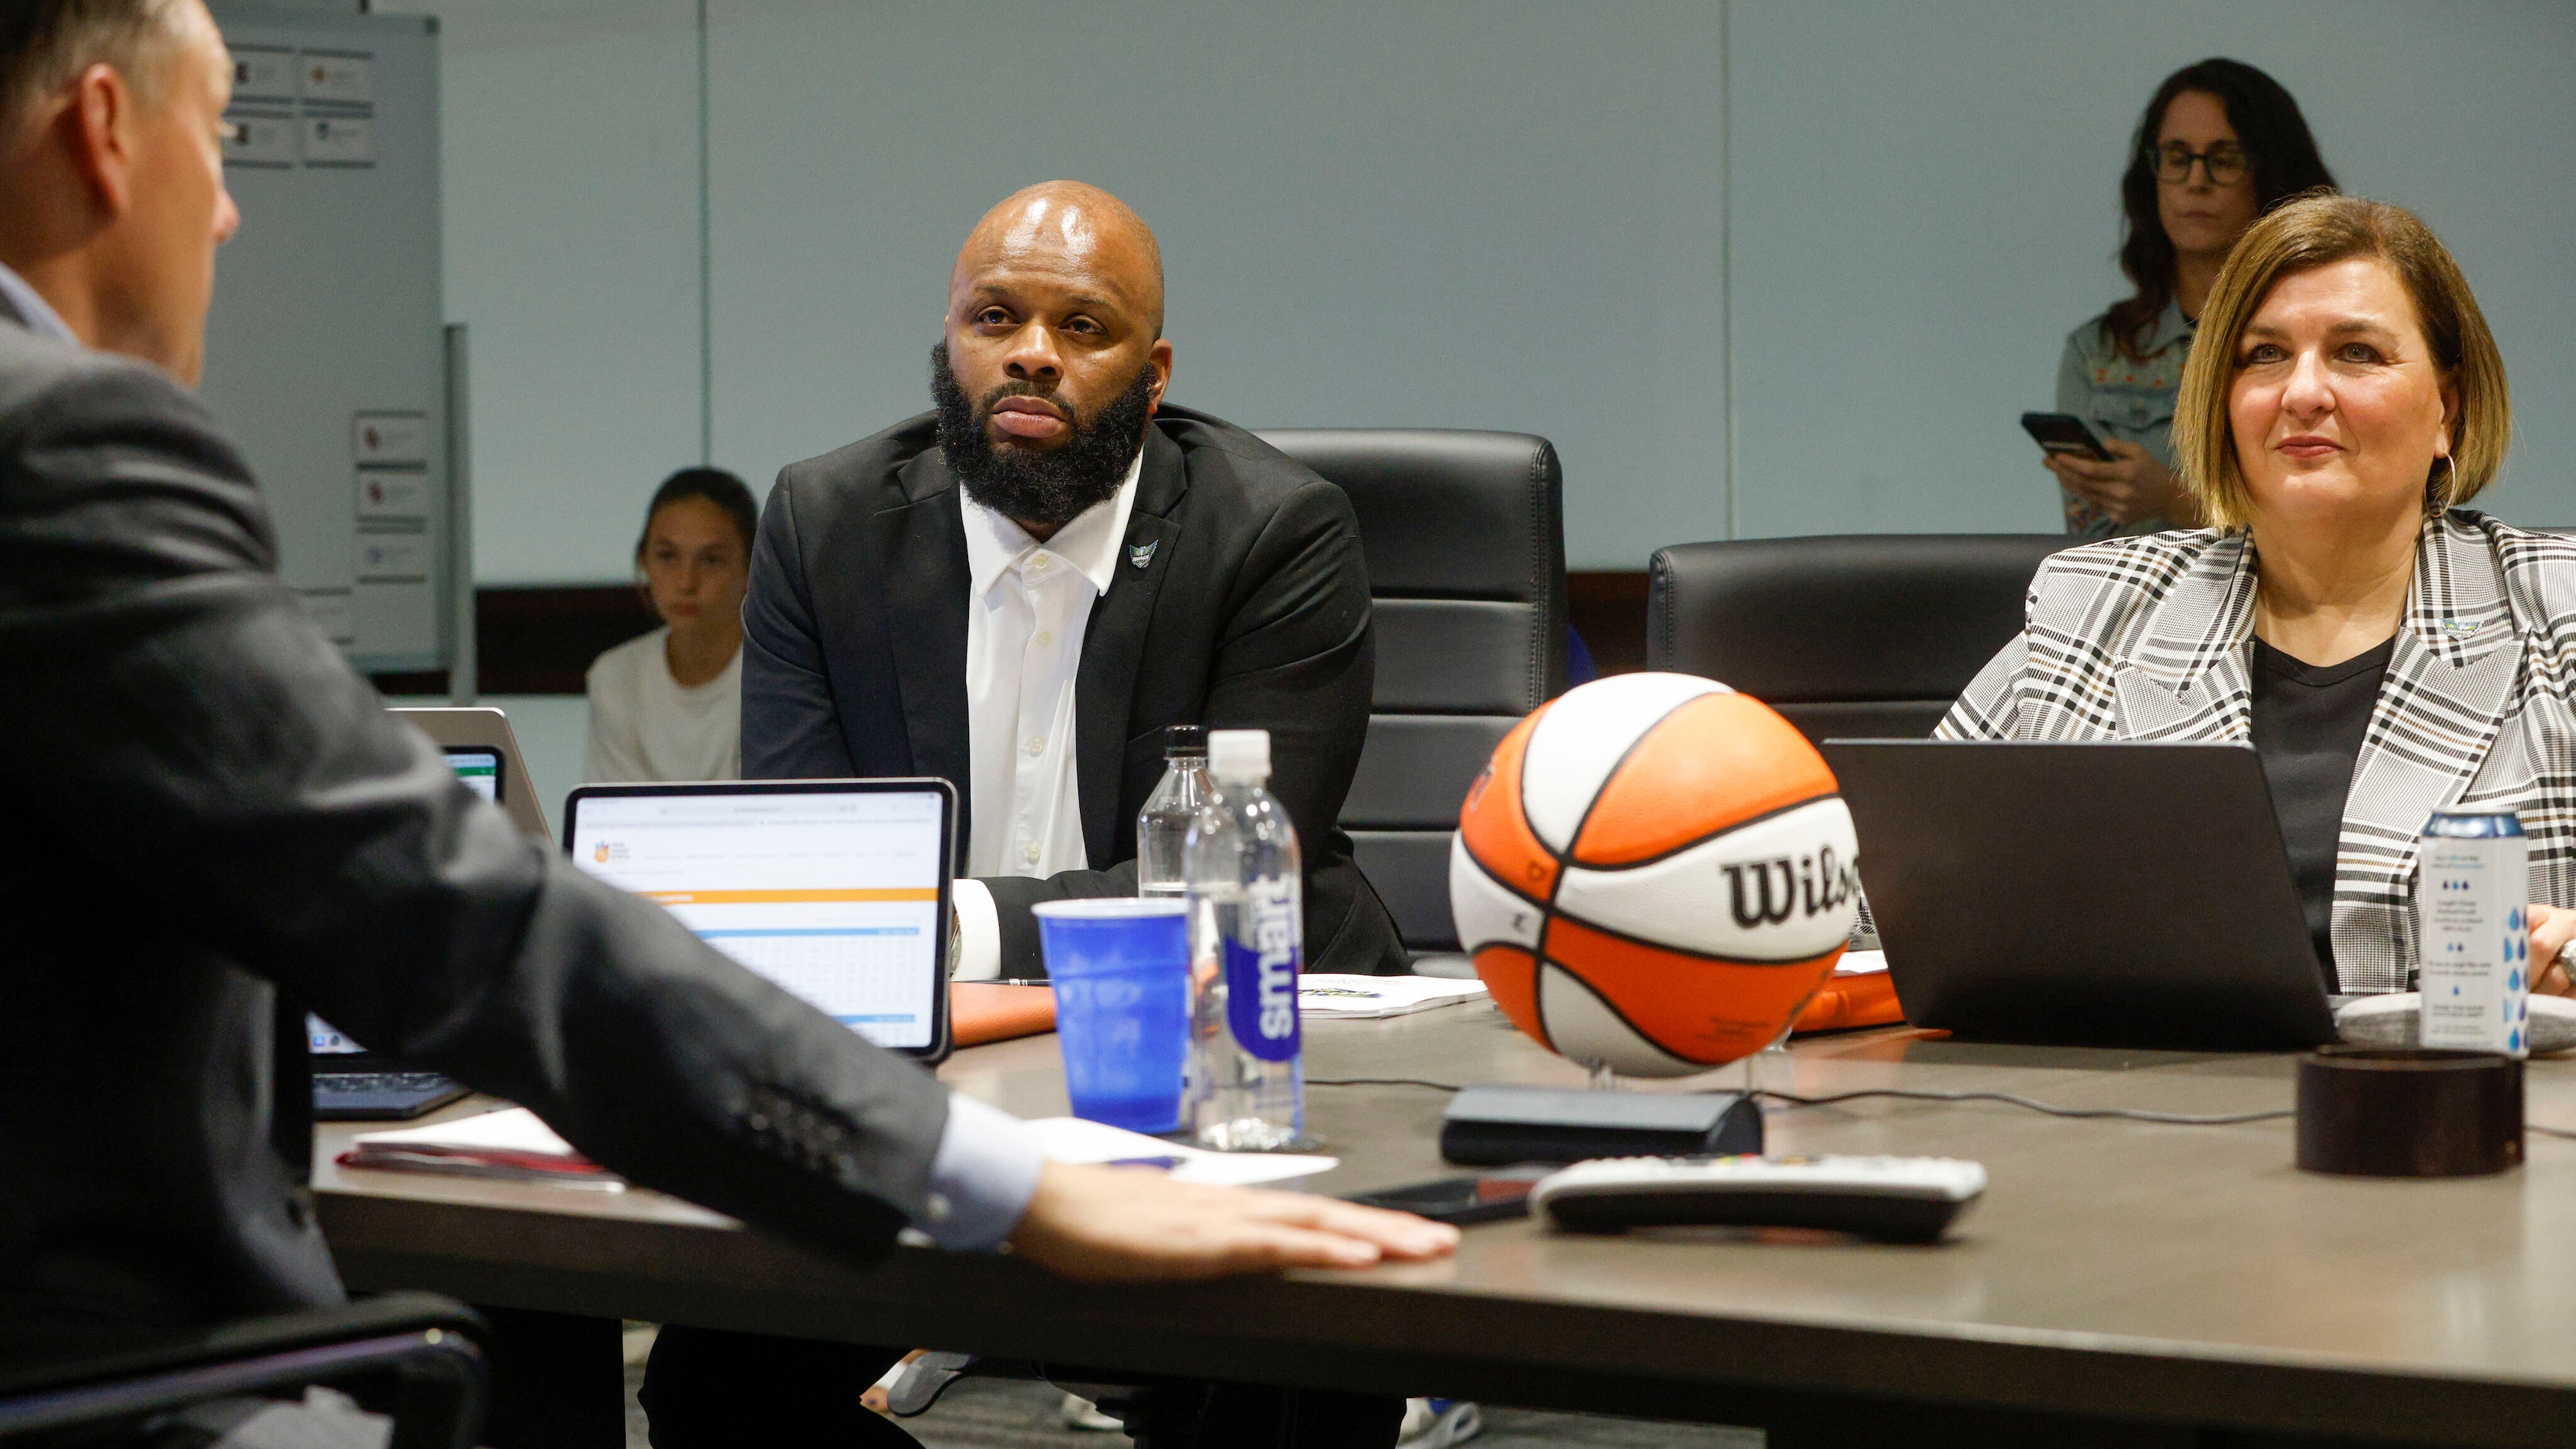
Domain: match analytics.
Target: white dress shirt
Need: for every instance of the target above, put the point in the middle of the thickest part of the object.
(1027, 608)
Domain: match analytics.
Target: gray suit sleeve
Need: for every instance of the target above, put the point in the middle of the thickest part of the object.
(184, 733)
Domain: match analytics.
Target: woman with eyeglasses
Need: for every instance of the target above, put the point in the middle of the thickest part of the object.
(2221, 144)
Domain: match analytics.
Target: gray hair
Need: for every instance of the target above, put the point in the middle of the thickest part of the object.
(46, 44)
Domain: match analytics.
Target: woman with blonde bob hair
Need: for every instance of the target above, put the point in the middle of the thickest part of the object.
(2388, 652)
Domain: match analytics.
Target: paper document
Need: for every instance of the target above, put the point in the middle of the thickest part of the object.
(1323, 994)
(1860, 963)
(512, 1143)
(1071, 1139)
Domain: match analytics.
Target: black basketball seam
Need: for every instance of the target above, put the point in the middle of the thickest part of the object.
(1575, 837)
(1535, 948)
(1538, 1003)
(1544, 916)
(1705, 839)
(1487, 873)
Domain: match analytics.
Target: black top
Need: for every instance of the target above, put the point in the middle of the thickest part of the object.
(2309, 720)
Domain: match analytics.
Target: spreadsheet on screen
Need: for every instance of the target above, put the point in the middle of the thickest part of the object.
(833, 896)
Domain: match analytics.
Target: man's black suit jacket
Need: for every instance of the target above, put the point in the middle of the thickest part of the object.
(204, 804)
(1250, 611)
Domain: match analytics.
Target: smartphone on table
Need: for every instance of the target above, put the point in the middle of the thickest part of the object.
(2064, 433)
(1472, 1198)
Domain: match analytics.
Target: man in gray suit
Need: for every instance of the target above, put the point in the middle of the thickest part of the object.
(212, 814)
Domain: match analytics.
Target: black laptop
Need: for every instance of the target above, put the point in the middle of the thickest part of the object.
(2132, 895)
(352, 1084)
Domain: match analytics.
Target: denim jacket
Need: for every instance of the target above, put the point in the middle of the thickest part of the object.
(2122, 397)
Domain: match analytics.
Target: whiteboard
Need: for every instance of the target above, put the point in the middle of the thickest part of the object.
(325, 354)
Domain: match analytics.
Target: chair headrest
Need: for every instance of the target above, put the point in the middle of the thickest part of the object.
(1845, 617)
(1446, 513)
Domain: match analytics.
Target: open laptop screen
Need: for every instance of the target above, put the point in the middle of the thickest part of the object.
(833, 890)
(479, 768)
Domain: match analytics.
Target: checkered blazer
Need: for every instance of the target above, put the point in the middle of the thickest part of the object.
(2150, 639)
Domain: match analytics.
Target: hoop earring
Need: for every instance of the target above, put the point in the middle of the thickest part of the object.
(2438, 496)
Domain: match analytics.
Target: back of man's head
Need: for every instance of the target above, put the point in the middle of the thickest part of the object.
(112, 195)
(45, 44)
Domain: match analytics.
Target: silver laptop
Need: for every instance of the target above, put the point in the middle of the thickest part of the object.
(486, 755)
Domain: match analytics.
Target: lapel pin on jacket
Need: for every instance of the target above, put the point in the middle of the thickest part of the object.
(1141, 555)
(2461, 628)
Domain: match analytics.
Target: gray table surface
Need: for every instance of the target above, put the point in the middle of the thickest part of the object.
(2116, 1274)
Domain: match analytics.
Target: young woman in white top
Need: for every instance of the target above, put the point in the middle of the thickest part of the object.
(668, 706)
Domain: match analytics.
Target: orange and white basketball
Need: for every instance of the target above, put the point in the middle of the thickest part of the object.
(1654, 874)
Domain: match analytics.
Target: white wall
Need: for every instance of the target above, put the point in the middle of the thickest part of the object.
(1471, 213)
(1926, 202)
(570, 134)
(1466, 213)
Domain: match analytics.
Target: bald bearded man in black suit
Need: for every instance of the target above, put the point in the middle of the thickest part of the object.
(1021, 588)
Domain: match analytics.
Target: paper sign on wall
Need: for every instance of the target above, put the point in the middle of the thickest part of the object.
(259, 141)
(339, 141)
(263, 75)
(344, 79)
(389, 440)
(393, 495)
(385, 558)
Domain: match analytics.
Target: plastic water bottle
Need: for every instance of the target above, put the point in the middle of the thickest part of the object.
(1247, 926)
(1163, 826)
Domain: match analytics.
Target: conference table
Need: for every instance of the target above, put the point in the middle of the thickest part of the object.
(2120, 1283)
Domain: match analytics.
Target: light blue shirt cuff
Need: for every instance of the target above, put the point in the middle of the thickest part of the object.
(982, 1178)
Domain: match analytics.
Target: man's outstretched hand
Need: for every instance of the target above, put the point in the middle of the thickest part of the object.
(1112, 1224)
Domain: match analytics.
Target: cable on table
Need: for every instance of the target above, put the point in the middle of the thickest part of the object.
(2123, 1114)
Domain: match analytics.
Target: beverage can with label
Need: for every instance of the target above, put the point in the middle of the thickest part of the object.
(2472, 898)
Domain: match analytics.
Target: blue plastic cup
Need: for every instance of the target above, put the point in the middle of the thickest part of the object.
(1121, 971)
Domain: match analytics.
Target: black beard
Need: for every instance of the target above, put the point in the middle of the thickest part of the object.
(1046, 489)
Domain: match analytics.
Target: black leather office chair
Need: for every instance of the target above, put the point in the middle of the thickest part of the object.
(1854, 635)
(419, 1352)
(1465, 538)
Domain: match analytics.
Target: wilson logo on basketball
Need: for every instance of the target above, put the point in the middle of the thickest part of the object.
(1775, 888)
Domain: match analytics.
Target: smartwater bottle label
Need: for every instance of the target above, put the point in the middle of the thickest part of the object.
(1261, 976)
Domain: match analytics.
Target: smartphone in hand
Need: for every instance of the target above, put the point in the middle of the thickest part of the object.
(2064, 433)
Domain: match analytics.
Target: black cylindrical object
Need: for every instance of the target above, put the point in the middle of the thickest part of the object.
(1184, 740)
(2409, 1112)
